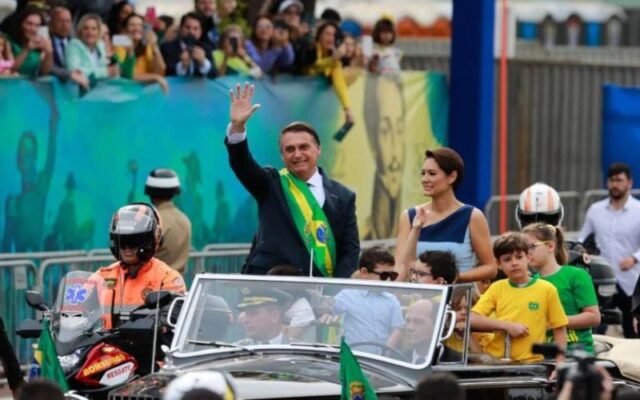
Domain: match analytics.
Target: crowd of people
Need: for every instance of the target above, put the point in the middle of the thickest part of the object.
(217, 38)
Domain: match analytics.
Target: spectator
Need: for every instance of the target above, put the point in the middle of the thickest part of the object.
(60, 32)
(386, 58)
(615, 222)
(230, 15)
(6, 56)
(189, 54)
(548, 256)
(106, 39)
(161, 186)
(87, 53)
(445, 222)
(439, 386)
(352, 56)
(207, 11)
(142, 61)
(40, 389)
(290, 12)
(269, 48)
(523, 306)
(329, 14)
(117, 15)
(32, 53)
(232, 57)
(165, 29)
(327, 63)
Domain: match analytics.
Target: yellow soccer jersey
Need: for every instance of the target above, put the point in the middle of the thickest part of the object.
(537, 306)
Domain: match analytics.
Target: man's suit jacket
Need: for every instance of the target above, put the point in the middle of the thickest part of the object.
(277, 240)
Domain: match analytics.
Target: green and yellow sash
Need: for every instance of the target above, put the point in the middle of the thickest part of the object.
(310, 221)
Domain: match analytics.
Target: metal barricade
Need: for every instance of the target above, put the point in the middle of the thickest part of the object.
(99, 252)
(41, 255)
(52, 270)
(16, 277)
(220, 262)
(226, 246)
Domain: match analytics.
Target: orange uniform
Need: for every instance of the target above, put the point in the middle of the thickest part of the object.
(128, 292)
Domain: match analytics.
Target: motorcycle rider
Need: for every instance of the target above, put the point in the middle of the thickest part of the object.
(135, 236)
(161, 186)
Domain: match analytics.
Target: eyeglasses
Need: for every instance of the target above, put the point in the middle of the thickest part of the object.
(419, 274)
(532, 246)
(386, 275)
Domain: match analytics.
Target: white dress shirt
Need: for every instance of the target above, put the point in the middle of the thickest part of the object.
(315, 182)
(617, 234)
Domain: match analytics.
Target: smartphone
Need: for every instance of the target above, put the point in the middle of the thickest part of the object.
(367, 46)
(234, 44)
(150, 15)
(122, 41)
(43, 32)
(342, 132)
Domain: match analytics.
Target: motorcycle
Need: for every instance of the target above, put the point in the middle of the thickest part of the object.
(96, 360)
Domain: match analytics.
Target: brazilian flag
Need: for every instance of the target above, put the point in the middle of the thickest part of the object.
(47, 357)
(355, 385)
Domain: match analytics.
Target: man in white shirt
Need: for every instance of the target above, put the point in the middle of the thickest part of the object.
(615, 222)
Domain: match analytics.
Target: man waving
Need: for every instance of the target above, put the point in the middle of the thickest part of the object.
(302, 213)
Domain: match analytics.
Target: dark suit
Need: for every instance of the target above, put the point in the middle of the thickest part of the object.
(277, 240)
(171, 52)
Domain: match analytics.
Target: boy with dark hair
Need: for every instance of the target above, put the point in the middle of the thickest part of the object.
(40, 389)
(439, 386)
(524, 305)
(436, 267)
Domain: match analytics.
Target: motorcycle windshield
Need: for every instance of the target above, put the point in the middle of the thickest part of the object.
(77, 310)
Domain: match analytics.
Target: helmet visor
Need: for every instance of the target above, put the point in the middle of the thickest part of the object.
(133, 241)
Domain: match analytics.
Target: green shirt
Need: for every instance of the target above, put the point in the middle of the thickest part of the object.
(31, 65)
(576, 291)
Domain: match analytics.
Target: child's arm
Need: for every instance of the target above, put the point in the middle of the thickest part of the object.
(406, 253)
(560, 337)
(481, 323)
(588, 318)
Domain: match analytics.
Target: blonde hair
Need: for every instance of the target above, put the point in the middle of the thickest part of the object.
(90, 17)
(549, 233)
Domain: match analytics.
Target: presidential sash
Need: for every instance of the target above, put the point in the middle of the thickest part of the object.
(310, 221)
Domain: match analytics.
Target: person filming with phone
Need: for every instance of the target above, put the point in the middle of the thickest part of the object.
(140, 57)
(305, 218)
(189, 54)
(232, 57)
(30, 44)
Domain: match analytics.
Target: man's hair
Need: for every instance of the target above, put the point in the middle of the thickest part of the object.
(374, 256)
(190, 15)
(448, 160)
(40, 389)
(284, 270)
(439, 386)
(299, 126)
(442, 263)
(201, 394)
(619, 168)
(383, 25)
(508, 243)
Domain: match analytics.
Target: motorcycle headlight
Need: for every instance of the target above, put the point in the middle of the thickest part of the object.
(607, 290)
(69, 361)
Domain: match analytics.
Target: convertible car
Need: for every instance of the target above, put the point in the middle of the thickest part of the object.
(279, 337)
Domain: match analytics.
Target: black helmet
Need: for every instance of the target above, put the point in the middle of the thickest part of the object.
(162, 183)
(135, 225)
(539, 203)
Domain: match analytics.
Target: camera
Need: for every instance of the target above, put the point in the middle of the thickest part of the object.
(579, 369)
(189, 41)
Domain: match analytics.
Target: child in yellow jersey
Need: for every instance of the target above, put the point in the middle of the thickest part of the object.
(524, 306)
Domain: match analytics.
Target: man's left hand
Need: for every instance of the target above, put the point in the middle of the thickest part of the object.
(627, 263)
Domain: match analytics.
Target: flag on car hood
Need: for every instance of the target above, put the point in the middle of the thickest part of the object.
(355, 385)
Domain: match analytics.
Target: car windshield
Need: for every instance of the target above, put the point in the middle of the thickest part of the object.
(397, 322)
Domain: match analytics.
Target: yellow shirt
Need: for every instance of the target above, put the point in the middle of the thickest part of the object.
(537, 306)
(143, 64)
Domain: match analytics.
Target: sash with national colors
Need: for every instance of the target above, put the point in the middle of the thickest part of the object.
(310, 221)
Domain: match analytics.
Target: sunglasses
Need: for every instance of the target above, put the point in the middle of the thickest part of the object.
(386, 275)
(532, 246)
(419, 274)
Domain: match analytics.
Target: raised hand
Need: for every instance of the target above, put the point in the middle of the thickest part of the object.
(420, 220)
(241, 108)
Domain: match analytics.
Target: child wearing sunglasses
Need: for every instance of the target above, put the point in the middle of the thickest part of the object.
(548, 256)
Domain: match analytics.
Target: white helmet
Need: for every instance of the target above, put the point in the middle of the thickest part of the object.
(539, 203)
(214, 381)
